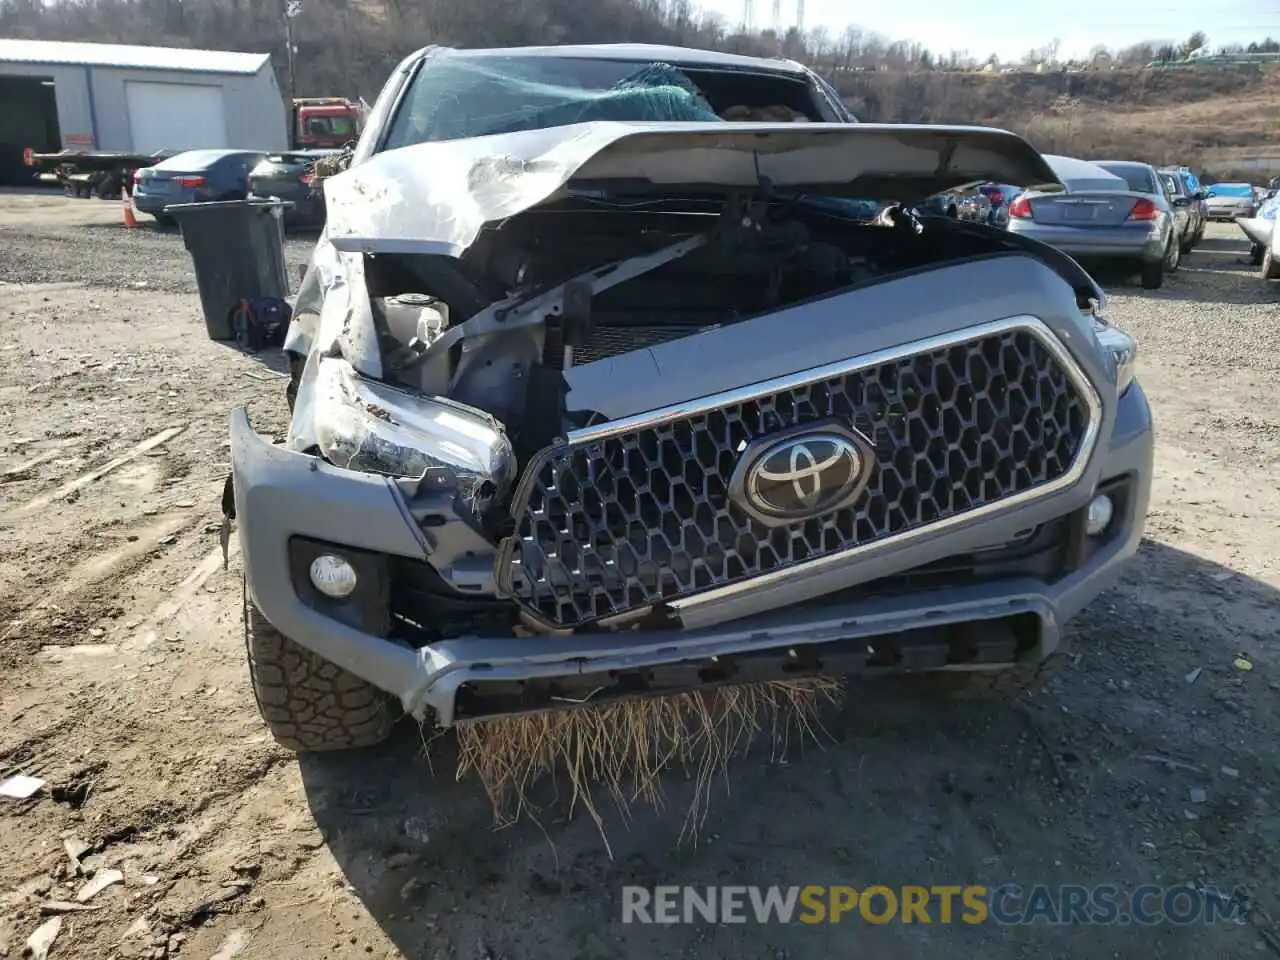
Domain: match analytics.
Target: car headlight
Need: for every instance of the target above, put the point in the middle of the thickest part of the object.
(1121, 349)
(365, 425)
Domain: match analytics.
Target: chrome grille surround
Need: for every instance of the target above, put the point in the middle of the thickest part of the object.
(627, 515)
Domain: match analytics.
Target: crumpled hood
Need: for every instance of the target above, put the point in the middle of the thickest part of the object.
(437, 197)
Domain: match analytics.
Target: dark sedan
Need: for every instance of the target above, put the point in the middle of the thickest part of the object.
(196, 176)
(289, 176)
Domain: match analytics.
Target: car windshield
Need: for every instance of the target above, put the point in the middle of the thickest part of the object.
(1088, 185)
(454, 97)
(1232, 190)
(1138, 178)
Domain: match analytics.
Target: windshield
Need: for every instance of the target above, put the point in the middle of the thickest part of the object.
(454, 97)
(1138, 178)
(1107, 185)
(1232, 190)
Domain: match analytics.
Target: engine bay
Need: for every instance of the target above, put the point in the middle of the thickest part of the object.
(573, 284)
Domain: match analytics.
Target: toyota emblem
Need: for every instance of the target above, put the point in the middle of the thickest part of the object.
(802, 473)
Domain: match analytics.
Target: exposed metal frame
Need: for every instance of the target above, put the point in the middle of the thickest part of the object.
(702, 405)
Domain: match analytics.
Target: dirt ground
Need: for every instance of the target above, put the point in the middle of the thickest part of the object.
(1153, 759)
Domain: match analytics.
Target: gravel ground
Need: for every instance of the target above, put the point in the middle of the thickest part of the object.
(1153, 759)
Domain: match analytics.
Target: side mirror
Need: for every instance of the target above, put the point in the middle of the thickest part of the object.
(1182, 201)
(1201, 195)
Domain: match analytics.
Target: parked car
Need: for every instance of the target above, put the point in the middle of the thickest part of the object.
(290, 175)
(975, 206)
(999, 196)
(558, 436)
(1098, 215)
(1228, 201)
(1178, 188)
(1142, 178)
(1261, 231)
(940, 205)
(196, 176)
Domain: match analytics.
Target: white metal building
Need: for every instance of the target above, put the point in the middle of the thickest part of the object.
(144, 99)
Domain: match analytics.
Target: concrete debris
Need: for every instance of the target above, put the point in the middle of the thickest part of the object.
(20, 787)
(41, 940)
(101, 880)
(1197, 795)
(231, 947)
(65, 906)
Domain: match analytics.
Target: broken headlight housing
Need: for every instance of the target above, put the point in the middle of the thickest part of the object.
(365, 425)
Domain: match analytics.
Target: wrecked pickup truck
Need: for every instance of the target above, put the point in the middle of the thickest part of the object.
(598, 394)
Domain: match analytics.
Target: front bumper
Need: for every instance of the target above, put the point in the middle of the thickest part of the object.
(1233, 212)
(281, 495)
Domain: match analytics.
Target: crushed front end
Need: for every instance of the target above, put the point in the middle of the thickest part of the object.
(615, 449)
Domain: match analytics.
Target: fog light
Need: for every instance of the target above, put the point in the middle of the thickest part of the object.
(1096, 522)
(336, 578)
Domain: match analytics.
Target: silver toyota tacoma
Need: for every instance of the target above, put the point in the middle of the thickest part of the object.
(612, 378)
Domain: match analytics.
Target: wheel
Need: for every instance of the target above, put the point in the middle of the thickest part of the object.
(1172, 256)
(1187, 245)
(296, 365)
(1270, 266)
(1152, 276)
(1256, 253)
(308, 703)
(164, 220)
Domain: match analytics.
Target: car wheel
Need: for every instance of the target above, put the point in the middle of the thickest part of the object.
(1152, 277)
(1256, 253)
(1270, 266)
(308, 703)
(1172, 257)
(1187, 245)
(164, 220)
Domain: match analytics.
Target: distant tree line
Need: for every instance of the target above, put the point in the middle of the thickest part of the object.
(348, 47)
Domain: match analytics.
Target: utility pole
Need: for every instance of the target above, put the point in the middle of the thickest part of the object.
(290, 9)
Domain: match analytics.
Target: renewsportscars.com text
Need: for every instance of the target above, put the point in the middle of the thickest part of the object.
(1008, 904)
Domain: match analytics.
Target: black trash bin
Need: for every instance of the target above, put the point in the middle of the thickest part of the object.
(237, 247)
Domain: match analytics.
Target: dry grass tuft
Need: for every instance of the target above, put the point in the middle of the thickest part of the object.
(625, 747)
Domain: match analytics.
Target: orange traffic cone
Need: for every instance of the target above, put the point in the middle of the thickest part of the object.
(129, 219)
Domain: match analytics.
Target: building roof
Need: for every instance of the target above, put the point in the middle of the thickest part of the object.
(129, 57)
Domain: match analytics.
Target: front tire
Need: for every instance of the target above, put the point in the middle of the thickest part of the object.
(1270, 266)
(1152, 276)
(308, 703)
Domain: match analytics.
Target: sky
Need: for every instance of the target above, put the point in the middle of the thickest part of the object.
(1011, 29)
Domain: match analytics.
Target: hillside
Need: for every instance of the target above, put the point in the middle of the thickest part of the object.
(1210, 115)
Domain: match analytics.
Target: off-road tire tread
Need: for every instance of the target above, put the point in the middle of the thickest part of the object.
(308, 703)
(1270, 266)
(1152, 276)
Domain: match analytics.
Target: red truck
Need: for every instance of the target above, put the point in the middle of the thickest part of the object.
(325, 122)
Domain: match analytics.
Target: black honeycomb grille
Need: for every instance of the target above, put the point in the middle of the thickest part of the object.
(641, 517)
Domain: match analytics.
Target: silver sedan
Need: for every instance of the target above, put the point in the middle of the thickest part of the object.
(1099, 215)
(1229, 201)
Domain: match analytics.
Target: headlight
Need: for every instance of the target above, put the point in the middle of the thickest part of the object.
(364, 425)
(1122, 350)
